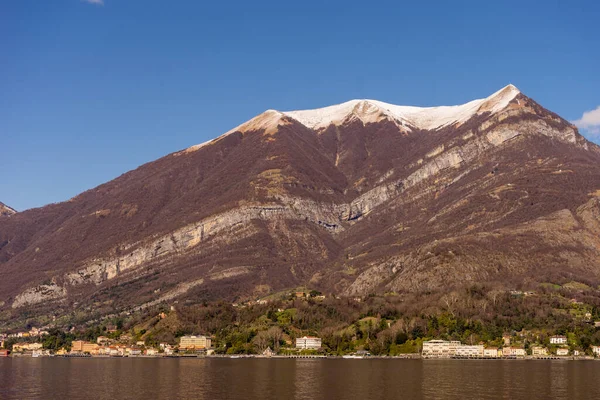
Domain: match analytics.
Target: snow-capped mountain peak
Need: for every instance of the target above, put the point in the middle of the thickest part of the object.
(371, 111)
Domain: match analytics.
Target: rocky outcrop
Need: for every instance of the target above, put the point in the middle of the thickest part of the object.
(39, 294)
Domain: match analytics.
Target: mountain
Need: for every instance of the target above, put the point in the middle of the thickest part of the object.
(358, 198)
(5, 210)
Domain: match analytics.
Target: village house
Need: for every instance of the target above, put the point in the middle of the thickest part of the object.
(439, 348)
(562, 351)
(33, 332)
(506, 340)
(194, 343)
(513, 352)
(21, 347)
(4, 353)
(134, 351)
(151, 352)
(125, 338)
(103, 340)
(558, 340)
(490, 352)
(268, 352)
(308, 342)
(539, 351)
(596, 350)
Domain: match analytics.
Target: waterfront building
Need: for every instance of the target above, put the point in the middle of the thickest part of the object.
(135, 352)
(308, 342)
(268, 352)
(439, 348)
(20, 347)
(490, 352)
(151, 352)
(469, 351)
(558, 340)
(596, 350)
(539, 351)
(513, 352)
(4, 353)
(194, 342)
(80, 346)
(562, 351)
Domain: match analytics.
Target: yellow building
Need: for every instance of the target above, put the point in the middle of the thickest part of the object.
(194, 342)
(79, 346)
(19, 347)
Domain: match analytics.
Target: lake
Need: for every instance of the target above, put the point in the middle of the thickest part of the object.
(254, 379)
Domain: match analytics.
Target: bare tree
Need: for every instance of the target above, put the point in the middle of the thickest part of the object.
(275, 334)
(261, 341)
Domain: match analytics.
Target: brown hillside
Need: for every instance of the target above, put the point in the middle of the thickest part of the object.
(369, 203)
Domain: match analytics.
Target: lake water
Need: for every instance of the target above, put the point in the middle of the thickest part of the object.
(254, 379)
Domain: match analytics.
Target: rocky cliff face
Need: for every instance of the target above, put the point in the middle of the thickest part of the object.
(352, 199)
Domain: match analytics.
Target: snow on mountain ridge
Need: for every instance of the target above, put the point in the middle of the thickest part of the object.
(6, 210)
(427, 118)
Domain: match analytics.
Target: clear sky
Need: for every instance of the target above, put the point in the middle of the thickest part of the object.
(92, 89)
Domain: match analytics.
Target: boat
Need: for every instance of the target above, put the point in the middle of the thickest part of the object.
(352, 356)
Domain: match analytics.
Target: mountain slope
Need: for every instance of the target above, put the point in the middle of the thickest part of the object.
(357, 198)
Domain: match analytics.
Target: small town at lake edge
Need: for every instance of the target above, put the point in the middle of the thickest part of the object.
(295, 325)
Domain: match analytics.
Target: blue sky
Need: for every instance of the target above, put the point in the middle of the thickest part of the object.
(92, 89)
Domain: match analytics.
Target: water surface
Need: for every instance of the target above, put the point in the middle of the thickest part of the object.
(258, 379)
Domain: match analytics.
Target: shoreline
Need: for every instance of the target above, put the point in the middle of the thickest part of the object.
(315, 357)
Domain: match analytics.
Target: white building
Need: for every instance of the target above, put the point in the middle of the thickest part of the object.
(469, 351)
(562, 351)
(558, 340)
(596, 350)
(308, 342)
(439, 348)
(151, 352)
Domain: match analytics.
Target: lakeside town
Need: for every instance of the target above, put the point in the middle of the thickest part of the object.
(305, 346)
(550, 324)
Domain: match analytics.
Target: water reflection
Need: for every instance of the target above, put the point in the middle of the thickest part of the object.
(110, 379)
